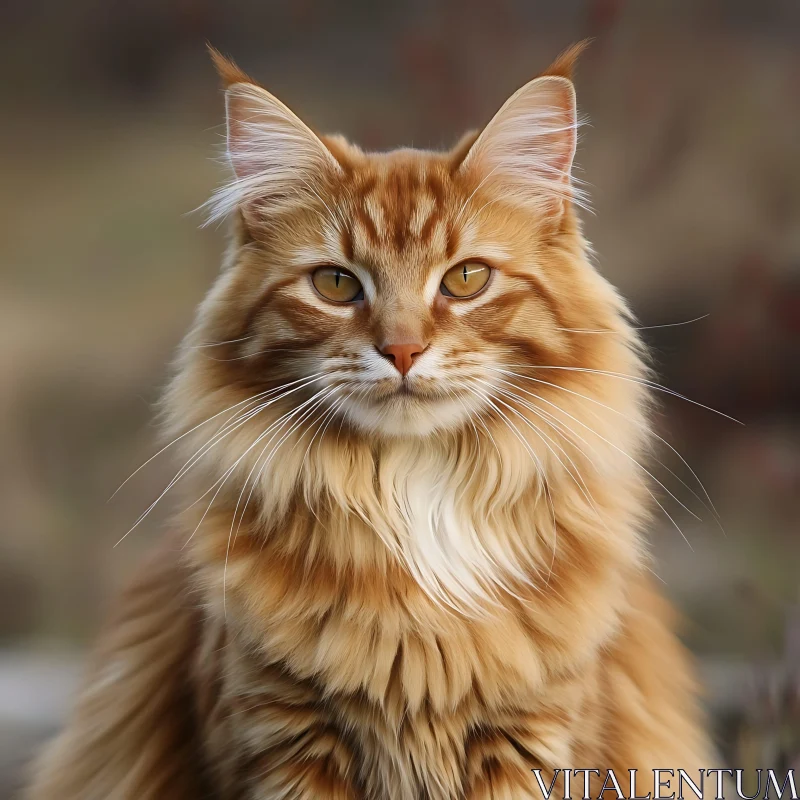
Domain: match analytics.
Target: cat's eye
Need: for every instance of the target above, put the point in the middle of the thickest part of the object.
(337, 284)
(466, 279)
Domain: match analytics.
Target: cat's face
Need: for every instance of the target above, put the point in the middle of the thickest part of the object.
(401, 290)
(401, 301)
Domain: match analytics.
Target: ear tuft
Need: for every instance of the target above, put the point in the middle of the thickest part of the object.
(276, 158)
(227, 69)
(564, 65)
(526, 150)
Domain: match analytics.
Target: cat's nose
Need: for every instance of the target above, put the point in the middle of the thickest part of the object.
(402, 355)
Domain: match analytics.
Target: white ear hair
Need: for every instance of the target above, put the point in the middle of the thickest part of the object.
(276, 158)
(528, 147)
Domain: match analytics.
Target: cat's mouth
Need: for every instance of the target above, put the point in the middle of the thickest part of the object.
(408, 389)
(416, 405)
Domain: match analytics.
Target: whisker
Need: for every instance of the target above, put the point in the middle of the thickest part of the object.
(271, 427)
(315, 401)
(177, 439)
(223, 480)
(219, 344)
(452, 392)
(317, 398)
(481, 422)
(470, 387)
(265, 351)
(641, 426)
(329, 415)
(582, 486)
(202, 451)
(618, 449)
(635, 327)
(633, 379)
(235, 424)
(655, 499)
(542, 475)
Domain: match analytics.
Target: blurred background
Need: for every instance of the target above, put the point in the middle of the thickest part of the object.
(111, 115)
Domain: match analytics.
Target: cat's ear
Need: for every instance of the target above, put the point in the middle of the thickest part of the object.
(276, 158)
(527, 149)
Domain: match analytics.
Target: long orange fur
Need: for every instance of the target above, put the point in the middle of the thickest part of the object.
(388, 594)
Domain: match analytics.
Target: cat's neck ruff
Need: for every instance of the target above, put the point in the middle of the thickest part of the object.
(416, 544)
(470, 516)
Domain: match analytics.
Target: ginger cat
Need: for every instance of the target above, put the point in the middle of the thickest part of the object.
(417, 570)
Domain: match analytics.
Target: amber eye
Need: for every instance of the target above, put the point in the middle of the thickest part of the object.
(336, 284)
(466, 279)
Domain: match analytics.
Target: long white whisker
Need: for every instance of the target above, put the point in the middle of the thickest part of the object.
(322, 426)
(313, 402)
(278, 423)
(633, 379)
(638, 425)
(233, 425)
(581, 484)
(635, 328)
(254, 355)
(241, 420)
(231, 535)
(470, 387)
(201, 452)
(219, 344)
(594, 449)
(618, 449)
(224, 478)
(540, 469)
(177, 439)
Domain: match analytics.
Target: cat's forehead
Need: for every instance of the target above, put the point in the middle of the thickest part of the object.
(401, 208)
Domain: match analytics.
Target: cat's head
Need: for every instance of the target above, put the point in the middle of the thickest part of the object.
(417, 339)
(402, 288)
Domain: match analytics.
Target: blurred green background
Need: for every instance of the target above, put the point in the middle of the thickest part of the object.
(111, 115)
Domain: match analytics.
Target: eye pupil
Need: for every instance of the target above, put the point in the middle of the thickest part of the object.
(465, 273)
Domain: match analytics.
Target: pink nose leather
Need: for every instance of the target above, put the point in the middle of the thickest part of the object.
(402, 355)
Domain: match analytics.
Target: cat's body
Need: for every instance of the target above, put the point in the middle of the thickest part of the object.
(201, 714)
(398, 590)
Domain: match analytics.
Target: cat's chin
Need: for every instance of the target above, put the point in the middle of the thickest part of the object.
(405, 414)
